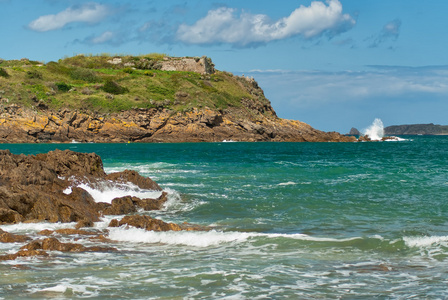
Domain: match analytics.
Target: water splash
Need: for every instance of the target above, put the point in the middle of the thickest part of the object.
(375, 131)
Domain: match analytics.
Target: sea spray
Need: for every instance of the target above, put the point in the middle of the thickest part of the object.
(376, 130)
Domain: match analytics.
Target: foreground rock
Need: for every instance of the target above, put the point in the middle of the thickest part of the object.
(33, 188)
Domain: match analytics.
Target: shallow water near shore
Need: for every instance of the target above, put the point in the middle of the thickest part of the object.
(289, 220)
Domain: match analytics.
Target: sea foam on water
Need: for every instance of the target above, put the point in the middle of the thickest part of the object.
(375, 131)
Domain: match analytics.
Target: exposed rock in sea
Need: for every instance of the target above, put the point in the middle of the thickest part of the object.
(354, 131)
(145, 222)
(6, 237)
(34, 188)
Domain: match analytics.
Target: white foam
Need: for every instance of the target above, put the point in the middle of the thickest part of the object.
(203, 238)
(60, 288)
(187, 238)
(375, 131)
(425, 241)
(35, 227)
(287, 183)
(107, 191)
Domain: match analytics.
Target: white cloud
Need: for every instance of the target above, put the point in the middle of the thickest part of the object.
(89, 13)
(224, 26)
(103, 38)
(314, 89)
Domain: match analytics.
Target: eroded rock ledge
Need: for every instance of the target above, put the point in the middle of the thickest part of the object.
(253, 123)
(35, 189)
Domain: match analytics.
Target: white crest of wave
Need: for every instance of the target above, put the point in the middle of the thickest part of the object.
(375, 131)
(106, 191)
(425, 241)
(187, 238)
(203, 238)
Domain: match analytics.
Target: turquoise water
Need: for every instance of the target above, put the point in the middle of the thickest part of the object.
(290, 220)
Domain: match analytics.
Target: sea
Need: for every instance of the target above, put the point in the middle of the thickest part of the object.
(362, 220)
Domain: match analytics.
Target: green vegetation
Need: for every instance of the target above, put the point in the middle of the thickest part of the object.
(113, 83)
(3, 73)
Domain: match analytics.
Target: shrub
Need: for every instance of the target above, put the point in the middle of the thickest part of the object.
(54, 67)
(63, 87)
(128, 70)
(84, 74)
(3, 73)
(114, 88)
(34, 74)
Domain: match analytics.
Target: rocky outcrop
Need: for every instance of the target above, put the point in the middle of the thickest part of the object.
(34, 188)
(254, 123)
(145, 222)
(354, 131)
(6, 237)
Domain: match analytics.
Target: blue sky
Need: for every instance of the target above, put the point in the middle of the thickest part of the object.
(334, 64)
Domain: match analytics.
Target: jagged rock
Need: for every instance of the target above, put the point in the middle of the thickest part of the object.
(53, 244)
(354, 131)
(6, 237)
(84, 223)
(32, 188)
(67, 231)
(364, 138)
(133, 177)
(256, 121)
(145, 222)
(23, 253)
(127, 204)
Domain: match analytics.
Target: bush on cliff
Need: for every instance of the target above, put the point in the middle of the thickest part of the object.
(84, 75)
(114, 88)
(3, 73)
(63, 87)
(34, 74)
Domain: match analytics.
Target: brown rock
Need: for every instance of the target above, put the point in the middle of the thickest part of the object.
(6, 237)
(53, 244)
(152, 204)
(84, 223)
(121, 206)
(135, 178)
(126, 205)
(23, 253)
(147, 223)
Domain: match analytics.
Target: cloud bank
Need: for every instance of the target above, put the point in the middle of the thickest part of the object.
(87, 13)
(224, 25)
(315, 89)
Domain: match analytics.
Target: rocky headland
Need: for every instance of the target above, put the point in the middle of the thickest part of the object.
(43, 188)
(139, 99)
(417, 129)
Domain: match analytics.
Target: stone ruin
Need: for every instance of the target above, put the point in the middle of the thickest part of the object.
(201, 65)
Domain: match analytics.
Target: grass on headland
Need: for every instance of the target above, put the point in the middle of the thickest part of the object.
(107, 83)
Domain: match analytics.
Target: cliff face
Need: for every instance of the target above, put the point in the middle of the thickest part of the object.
(130, 99)
(19, 125)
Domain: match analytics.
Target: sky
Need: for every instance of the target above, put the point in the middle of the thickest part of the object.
(334, 64)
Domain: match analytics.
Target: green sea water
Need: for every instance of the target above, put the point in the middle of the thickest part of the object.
(289, 220)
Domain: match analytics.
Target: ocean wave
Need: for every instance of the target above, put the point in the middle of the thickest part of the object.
(107, 191)
(205, 238)
(426, 241)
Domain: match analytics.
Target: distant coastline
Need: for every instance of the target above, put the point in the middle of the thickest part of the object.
(417, 129)
(409, 129)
